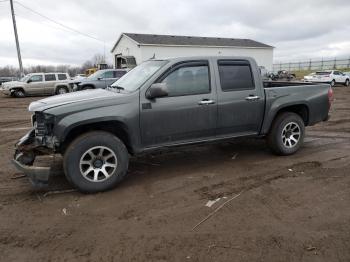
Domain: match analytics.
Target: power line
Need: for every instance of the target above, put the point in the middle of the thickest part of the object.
(42, 23)
(58, 23)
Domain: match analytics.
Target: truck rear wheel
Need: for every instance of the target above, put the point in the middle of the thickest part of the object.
(61, 90)
(286, 134)
(95, 162)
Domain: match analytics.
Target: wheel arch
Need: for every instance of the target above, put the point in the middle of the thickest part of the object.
(87, 85)
(17, 88)
(300, 109)
(61, 85)
(115, 127)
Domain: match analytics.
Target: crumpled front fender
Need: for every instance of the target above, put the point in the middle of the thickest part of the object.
(26, 149)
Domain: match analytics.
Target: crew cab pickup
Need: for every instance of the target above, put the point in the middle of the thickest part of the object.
(163, 103)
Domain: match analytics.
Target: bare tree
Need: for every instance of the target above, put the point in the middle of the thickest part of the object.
(10, 71)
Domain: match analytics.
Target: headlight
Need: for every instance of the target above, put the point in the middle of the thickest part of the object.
(42, 123)
(33, 120)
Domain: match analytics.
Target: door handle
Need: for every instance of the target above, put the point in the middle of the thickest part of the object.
(206, 102)
(252, 98)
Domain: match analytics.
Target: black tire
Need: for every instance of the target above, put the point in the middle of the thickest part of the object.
(279, 141)
(346, 82)
(78, 149)
(19, 93)
(332, 83)
(61, 90)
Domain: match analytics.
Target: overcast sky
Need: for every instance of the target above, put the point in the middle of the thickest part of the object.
(298, 29)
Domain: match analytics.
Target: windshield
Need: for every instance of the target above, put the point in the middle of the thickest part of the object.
(323, 73)
(25, 78)
(95, 75)
(139, 75)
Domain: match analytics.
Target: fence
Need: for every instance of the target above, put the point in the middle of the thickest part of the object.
(311, 65)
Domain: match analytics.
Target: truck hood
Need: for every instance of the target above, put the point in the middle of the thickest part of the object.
(70, 98)
(12, 84)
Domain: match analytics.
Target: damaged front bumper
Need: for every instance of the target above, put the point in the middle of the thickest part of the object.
(27, 148)
(37, 175)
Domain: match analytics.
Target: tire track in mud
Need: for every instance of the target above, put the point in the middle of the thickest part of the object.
(246, 183)
(15, 123)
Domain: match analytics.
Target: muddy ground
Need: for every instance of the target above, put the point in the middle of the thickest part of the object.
(294, 208)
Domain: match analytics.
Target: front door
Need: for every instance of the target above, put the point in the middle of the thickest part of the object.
(35, 85)
(241, 101)
(188, 113)
(109, 77)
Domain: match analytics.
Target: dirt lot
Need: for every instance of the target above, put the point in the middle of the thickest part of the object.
(293, 208)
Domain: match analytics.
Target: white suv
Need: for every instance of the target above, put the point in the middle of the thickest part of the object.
(332, 77)
(38, 84)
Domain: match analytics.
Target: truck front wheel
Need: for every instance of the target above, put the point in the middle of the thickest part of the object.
(286, 134)
(19, 93)
(95, 162)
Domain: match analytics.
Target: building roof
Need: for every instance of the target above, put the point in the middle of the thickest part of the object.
(176, 40)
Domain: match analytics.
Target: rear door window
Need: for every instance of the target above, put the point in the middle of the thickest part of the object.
(50, 77)
(235, 75)
(62, 77)
(119, 73)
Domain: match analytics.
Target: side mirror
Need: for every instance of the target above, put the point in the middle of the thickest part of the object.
(157, 90)
(99, 78)
(29, 81)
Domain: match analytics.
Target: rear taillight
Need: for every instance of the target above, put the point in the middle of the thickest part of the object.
(330, 96)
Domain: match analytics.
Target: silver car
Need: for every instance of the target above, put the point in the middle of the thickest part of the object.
(100, 79)
(38, 84)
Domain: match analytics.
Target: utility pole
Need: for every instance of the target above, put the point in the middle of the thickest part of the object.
(17, 42)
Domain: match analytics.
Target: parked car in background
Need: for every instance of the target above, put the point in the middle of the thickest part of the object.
(163, 103)
(281, 75)
(331, 77)
(79, 76)
(38, 84)
(309, 77)
(100, 79)
(347, 73)
(6, 79)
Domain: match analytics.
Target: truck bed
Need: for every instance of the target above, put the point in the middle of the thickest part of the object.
(312, 96)
(269, 84)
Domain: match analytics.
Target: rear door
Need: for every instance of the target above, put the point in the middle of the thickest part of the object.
(50, 82)
(119, 74)
(240, 98)
(188, 113)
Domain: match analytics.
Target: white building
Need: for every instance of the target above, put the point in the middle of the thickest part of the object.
(131, 49)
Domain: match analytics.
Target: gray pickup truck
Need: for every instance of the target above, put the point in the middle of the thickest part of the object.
(163, 103)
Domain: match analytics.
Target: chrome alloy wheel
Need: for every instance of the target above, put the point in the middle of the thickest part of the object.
(291, 134)
(62, 91)
(98, 164)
